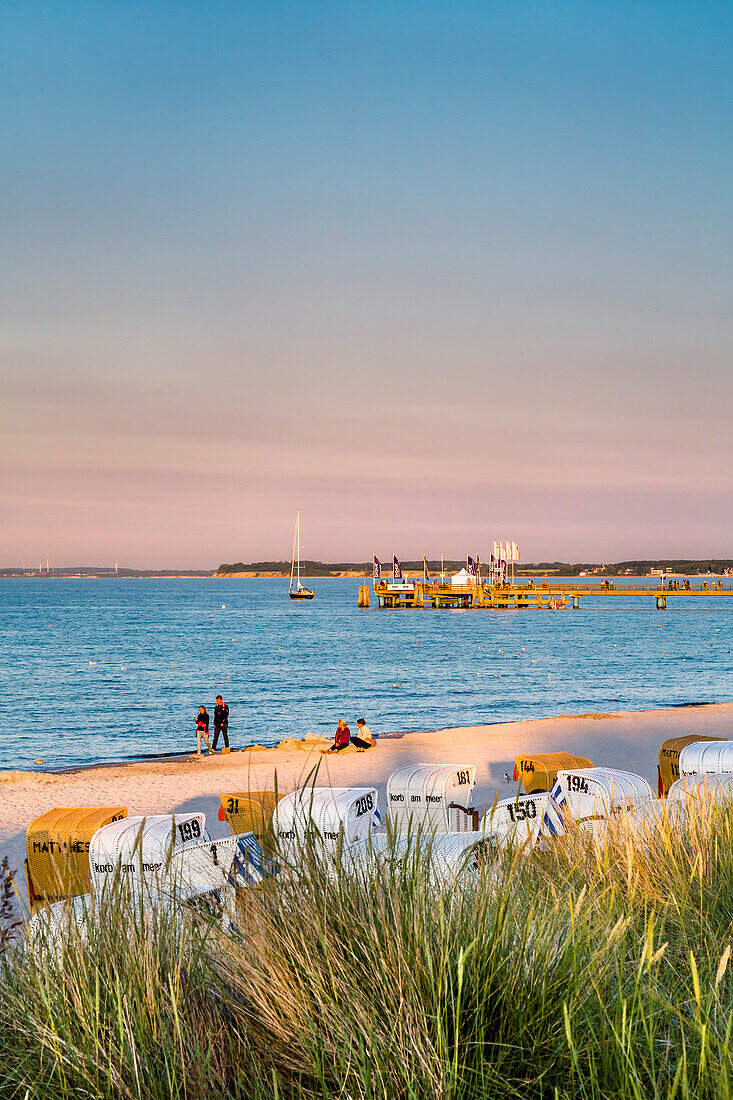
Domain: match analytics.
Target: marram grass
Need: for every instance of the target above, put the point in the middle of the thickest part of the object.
(583, 971)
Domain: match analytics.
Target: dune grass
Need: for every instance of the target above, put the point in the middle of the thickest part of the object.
(582, 971)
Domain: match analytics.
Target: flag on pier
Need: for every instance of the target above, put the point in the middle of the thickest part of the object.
(470, 566)
(377, 574)
(425, 573)
(396, 569)
(496, 555)
(502, 552)
(515, 552)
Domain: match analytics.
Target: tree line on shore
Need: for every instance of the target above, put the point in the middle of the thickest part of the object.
(636, 568)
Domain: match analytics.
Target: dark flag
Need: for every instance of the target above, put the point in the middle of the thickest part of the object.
(377, 574)
(425, 573)
(396, 569)
(470, 566)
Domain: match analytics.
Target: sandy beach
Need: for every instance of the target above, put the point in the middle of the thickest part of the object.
(623, 740)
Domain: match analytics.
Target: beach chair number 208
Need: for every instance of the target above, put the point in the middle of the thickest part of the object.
(364, 805)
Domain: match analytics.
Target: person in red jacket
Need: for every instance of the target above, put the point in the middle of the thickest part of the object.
(342, 737)
(202, 729)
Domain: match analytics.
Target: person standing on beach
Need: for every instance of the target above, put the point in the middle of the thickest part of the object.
(202, 729)
(342, 737)
(221, 723)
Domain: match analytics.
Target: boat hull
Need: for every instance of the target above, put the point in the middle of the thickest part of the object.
(302, 595)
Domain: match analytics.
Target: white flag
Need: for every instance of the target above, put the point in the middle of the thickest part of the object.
(496, 551)
(502, 551)
(515, 552)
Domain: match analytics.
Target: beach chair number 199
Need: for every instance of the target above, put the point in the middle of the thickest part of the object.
(189, 830)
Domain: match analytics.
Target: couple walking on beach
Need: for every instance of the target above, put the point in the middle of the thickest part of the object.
(221, 726)
(344, 737)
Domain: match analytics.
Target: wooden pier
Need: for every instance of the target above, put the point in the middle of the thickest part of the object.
(554, 597)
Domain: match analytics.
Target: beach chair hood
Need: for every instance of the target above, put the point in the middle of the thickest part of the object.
(707, 786)
(587, 794)
(706, 756)
(338, 815)
(139, 849)
(57, 846)
(516, 820)
(420, 795)
(538, 771)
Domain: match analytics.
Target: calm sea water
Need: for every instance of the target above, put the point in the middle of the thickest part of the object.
(99, 670)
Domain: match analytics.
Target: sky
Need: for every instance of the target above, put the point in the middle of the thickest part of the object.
(437, 274)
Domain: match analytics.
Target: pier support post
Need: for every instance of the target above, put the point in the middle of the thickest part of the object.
(661, 603)
(363, 600)
(576, 603)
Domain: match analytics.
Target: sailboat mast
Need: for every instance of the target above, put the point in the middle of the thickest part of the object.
(292, 559)
(297, 528)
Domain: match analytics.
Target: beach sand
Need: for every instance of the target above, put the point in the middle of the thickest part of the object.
(622, 740)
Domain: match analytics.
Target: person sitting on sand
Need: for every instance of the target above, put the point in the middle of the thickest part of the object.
(202, 729)
(342, 737)
(365, 737)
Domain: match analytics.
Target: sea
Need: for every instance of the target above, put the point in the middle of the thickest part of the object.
(104, 670)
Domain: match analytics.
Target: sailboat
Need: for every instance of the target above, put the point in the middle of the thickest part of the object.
(299, 592)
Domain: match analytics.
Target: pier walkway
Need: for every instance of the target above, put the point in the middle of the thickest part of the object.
(520, 596)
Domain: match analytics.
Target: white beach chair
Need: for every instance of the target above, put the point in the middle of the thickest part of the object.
(433, 797)
(706, 757)
(335, 815)
(583, 795)
(516, 820)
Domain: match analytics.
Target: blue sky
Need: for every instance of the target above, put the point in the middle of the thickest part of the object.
(438, 274)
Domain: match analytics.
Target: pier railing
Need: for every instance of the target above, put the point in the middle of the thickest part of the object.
(546, 594)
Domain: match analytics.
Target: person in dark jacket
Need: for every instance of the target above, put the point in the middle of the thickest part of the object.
(342, 737)
(221, 723)
(202, 729)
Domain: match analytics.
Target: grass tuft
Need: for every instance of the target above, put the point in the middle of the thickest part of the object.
(587, 970)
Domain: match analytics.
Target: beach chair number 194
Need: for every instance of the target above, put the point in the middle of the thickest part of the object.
(578, 784)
